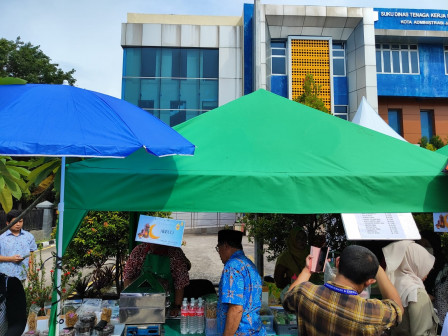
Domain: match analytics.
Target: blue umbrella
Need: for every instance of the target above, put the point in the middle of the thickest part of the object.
(62, 120)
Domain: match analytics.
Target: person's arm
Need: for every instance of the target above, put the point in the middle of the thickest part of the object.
(134, 264)
(233, 319)
(15, 307)
(303, 276)
(387, 289)
(15, 258)
(178, 296)
(280, 276)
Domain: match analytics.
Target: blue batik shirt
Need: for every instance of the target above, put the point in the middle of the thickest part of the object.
(10, 245)
(241, 285)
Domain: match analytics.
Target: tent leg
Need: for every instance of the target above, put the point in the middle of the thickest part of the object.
(258, 251)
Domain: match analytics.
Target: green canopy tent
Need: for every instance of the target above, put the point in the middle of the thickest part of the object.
(265, 154)
(443, 150)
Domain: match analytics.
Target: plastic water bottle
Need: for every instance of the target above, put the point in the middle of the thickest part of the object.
(192, 317)
(184, 318)
(200, 318)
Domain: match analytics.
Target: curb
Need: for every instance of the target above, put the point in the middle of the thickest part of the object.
(45, 243)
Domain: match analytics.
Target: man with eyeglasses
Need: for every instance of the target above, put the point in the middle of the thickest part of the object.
(239, 300)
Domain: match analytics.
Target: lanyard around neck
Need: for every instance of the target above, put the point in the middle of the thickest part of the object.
(341, 290)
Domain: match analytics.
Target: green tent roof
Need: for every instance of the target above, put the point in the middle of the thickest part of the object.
(266, 154)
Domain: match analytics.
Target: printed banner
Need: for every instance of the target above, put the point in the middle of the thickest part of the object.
(440, 220)
(380, 226)
(162, 231)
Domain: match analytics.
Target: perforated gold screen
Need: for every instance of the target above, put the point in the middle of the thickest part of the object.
(311, 56)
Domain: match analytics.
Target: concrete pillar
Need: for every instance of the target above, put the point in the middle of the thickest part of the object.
(47, 218)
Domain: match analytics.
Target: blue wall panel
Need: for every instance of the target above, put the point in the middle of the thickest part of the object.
(248, 41)
(279, 85)
(431, 82)
(340, 91)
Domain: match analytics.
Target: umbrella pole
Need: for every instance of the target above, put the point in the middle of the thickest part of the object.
(58, 269)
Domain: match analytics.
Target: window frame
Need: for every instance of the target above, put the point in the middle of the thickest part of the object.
(339, 114)
(431, 123)
(391, 49)
(445, 52)
(278, 56)
(400, 119)
(333, 57)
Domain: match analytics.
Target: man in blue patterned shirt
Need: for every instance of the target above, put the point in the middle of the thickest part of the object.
(239, 289)
(16, 246)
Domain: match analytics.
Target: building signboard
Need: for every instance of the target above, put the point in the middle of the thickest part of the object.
(412, 19)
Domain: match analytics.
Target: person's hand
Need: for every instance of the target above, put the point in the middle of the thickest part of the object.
(16, 258)
(174, 311)
(308, 262)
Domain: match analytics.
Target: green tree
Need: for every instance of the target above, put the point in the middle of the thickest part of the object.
(12, 181)
(101, 236)
(23, 60)
(311, 94)
(433, 144)
(273, 230)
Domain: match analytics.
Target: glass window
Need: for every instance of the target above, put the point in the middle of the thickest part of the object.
(386, 61)
(405, 62)
(339, 67)
(173, 84)
(149, 62)
(210, 65)
(396, 61)
(341, 111)
(278, 57)
(397, 58)
(446, 59)
(338, 59)
(427, 123)
(379, 62)
(278, 66)
(278, 52)
(394, 117)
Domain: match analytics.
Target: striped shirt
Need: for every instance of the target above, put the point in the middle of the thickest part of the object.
(322, 312)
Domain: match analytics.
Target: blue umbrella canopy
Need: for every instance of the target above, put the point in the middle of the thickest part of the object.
(62, 120)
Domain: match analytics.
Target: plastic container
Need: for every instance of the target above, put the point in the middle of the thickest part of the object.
(211, 327)
(267, 318)
(285, 329)
(184, 318)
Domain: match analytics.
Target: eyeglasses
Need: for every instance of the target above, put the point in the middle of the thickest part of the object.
(217, 248)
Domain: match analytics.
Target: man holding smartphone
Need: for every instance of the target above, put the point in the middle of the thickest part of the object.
(16, 246)
(336, 308)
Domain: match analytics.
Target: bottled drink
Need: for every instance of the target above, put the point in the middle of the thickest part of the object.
(191, 317)
(183, 318)
(200, 318)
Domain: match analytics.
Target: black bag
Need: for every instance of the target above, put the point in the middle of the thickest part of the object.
(3, 289)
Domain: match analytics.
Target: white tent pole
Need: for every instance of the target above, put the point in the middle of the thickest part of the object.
(61, 207)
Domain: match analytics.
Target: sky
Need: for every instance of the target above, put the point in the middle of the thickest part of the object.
(85, 34)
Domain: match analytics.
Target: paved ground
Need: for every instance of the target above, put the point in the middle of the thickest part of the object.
(200, 250)
(205, 261)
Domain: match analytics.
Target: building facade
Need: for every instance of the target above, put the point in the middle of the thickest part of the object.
(178, 67)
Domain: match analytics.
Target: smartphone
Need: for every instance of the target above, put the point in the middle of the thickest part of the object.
(320, 256)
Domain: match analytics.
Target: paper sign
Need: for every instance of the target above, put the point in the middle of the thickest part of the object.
(440, 221)
(162, 231)
(380, 226)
